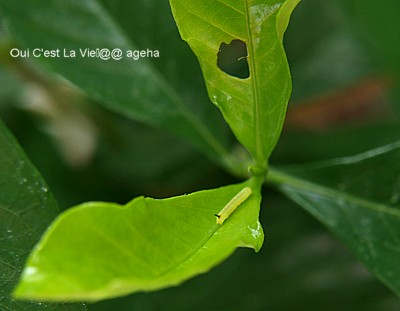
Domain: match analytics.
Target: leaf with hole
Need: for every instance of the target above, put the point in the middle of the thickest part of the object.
(240, 50)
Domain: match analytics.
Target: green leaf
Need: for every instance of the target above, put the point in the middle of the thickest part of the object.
(297, 147)
(26, 208)
(102, 250)
(178, 65)
(358, 198)
(133, 88)
(301, 260)
(254, 107)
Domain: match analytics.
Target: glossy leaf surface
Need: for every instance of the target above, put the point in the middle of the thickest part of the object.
(26, 208)
(102, 250)
(358, 198)
(254, 107)
(300, 260)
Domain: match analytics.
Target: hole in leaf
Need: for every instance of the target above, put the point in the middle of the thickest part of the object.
(232, 59)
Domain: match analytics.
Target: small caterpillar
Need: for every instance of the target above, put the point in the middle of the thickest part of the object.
(233, 204)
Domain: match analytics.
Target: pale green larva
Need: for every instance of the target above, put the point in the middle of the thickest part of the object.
(233, 204)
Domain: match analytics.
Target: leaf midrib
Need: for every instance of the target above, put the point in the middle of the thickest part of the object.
(259, 156)
(281, 178)
(190, 254)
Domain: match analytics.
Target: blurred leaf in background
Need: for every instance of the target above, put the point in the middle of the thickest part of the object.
(379, 25)
(26, 208)
(357, 198)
